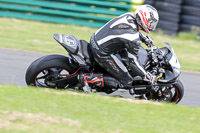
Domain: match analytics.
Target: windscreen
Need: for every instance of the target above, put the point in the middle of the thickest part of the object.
(171, 57)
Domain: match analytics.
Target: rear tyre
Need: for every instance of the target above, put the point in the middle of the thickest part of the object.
(168, 16)
(167, 6)
(191, 10)
(45, 70)
(194, 20)
(189, 27)
(173, 1)
(195, 3)
(150, 2)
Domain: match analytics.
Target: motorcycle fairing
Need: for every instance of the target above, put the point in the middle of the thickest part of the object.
(173, 60)
(86, 52)
(168, 52)
(142, 56)
(69, 42)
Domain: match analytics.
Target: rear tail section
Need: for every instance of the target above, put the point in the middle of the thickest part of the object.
(78, 49)
(69, 42)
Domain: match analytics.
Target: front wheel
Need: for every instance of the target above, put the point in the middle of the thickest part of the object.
(173, 93)
(44, 71)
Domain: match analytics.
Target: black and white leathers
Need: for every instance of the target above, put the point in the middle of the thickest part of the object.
(119, 33)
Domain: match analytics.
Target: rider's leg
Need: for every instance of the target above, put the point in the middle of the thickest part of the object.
(112, 64)
(116, 68)
(135, 67)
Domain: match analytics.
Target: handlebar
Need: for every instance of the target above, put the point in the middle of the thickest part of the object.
(153, 47)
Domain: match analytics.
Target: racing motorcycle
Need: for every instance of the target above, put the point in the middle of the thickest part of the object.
(62, 72)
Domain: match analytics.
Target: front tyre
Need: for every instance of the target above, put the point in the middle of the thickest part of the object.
(179, 92)
(44, 71)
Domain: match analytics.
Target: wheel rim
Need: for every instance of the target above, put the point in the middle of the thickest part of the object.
(46, 77)
(171, 93)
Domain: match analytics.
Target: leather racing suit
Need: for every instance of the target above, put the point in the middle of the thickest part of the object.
(117, 34)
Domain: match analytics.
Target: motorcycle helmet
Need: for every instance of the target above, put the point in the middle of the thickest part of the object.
(147, 17)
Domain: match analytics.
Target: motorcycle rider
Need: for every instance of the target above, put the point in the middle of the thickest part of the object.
(120, 33)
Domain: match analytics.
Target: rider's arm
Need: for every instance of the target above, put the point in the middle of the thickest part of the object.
(146, 39)
(133, 48)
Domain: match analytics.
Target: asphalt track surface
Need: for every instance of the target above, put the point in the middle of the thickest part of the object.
(13, 65)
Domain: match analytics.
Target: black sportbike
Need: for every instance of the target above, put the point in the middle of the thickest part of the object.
(61, 72)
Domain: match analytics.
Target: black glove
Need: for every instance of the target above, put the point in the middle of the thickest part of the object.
(152, 79)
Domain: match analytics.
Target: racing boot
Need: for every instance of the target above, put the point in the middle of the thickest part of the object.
(126, 81)
(90, 80)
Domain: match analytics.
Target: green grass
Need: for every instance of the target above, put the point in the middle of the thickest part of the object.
(38, 37)
(42, 110)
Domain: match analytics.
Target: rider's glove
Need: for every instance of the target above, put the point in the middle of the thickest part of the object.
(152, 79)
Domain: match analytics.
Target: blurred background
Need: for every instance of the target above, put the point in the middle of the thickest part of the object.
(175, 15)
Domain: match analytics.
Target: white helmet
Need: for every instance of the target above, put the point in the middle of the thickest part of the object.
(147, 17)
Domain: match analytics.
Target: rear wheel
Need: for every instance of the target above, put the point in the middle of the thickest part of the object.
(45, 71)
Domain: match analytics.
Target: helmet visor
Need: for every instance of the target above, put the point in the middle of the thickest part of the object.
(152, 22)
(153, 25)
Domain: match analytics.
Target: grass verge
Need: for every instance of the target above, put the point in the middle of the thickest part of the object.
(43, 110)
(38, 36)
